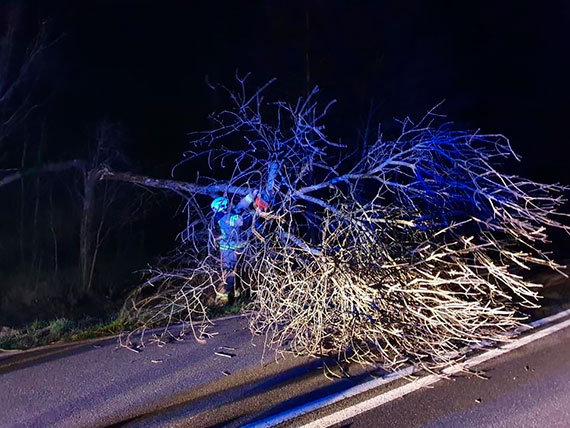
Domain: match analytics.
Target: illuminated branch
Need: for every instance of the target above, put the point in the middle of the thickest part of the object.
(407, 254)
(179, 187)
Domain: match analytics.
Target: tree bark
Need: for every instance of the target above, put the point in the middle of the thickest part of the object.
(180, 187)
(90, 179)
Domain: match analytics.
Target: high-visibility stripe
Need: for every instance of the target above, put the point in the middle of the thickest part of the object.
(231, 247)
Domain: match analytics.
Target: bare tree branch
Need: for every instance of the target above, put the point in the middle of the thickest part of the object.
(180, 187)
(47, 168)
(407, 254)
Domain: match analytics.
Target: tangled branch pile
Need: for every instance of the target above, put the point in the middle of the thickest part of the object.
(405, 251)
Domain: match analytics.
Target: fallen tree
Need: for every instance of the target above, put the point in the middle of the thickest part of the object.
(404, 252)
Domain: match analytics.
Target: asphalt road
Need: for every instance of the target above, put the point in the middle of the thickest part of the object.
(184, 383)
(98, 384)
(527, 387)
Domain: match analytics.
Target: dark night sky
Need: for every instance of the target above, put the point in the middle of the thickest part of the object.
(501, 66)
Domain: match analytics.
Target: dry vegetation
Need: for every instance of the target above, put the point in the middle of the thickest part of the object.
(404, 251)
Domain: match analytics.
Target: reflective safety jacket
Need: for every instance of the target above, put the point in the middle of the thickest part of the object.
(234, 230)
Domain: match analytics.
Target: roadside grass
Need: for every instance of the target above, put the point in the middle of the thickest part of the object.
(236, 307)
(61, 330)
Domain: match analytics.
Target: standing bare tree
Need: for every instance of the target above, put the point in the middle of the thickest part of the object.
(406, 254)
(106, 153)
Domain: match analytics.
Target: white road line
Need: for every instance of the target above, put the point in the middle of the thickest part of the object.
(359, 389)
(328, 400)
(374, 402)
(547, 320)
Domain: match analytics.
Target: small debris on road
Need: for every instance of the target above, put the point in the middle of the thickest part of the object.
(96, 346)
(156, 361)
(226, 373)
(224, 354)
(135, 350)
(480, 375)
(227, 348)
(526, 368)
(477, 400)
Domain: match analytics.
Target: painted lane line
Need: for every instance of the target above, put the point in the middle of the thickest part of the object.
(547, 320)
(343, 415)
(366, 386)
(329, 399)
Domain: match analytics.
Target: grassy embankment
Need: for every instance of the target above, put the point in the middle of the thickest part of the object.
(45, 332)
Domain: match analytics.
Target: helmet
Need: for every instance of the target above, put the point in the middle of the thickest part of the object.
(219, 204)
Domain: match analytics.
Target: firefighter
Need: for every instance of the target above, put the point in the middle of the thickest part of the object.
(234, 224)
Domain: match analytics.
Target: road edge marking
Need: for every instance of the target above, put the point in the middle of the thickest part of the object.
(290, 414)
(377, 401)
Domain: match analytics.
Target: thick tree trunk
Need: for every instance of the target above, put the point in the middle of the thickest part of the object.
(86, 261)
(180, 187)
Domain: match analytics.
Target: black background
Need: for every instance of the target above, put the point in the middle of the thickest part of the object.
(502, 67)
